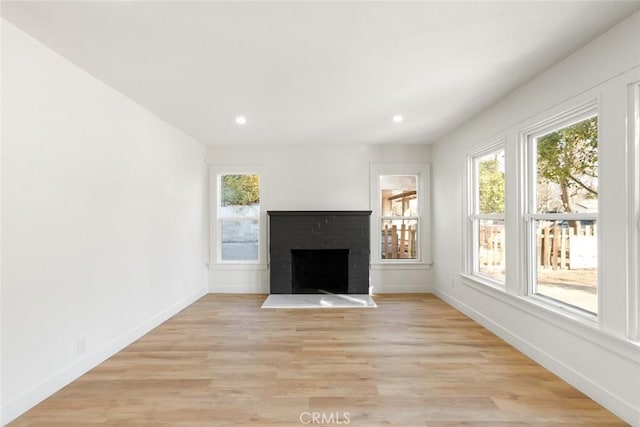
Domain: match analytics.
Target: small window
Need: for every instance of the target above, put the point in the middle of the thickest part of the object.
(238, 217)
(487, 215)
(400, 228)
(400, 217)
(563, 212)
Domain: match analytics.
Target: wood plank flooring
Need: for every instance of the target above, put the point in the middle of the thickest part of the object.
(413, 361)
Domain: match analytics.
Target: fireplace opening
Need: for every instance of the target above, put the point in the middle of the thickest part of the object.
(320, 270)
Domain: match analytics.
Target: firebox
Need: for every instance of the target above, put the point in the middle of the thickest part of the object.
(319, 251)
(319, 270)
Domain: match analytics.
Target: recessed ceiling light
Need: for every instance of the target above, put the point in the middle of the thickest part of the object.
(241, 120)
(397, 118)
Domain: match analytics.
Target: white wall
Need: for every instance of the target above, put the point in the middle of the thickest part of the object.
(600, 358)
(328, 177)
(104, 221)
(1, 234)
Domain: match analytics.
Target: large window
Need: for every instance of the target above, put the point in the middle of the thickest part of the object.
(562, 210)
(238, 217)
(398, 198)
(486, 214)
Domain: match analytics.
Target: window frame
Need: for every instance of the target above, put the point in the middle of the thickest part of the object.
(633, 144)
(422, 173)
(216, 262)
(530, 216)
(404, 218)
(473, 217)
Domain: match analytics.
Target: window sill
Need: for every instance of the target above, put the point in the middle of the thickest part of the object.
(473, 280)
(562, 309)
(401, 266)
(540, 303)
(573, 321)
(238, 266)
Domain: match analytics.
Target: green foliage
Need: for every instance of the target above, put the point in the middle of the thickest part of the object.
(491, 185)
(240, 190)
(569, 158)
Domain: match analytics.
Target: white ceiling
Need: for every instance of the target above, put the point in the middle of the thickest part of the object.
(315, 72)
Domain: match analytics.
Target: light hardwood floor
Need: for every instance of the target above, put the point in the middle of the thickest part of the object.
(412, 361)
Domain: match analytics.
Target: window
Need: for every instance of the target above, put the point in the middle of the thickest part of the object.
(562, 210)
(400, 216)
(398, 224)
(238, 217)
(486, 214)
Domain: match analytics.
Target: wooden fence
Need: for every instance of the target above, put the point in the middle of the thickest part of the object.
(567, 247)
(491, 246)
(557, 247)
(399, 244)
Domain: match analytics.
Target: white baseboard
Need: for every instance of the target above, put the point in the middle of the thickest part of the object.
(401, 288)
(257, 288)
(609, 400)
(234, 288)
(19, 405)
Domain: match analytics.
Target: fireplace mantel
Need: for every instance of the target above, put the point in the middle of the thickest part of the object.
(293, 231)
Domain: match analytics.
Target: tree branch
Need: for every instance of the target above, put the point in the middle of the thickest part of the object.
(577, 181)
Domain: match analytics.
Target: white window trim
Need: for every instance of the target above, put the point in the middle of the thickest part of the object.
(624, 343)
(422, 171)
(633, 144)
(469, 229)
(528, 202)
(215, 263)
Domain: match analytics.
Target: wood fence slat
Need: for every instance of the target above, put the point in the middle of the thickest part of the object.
(412, 235)
(394, 242)
(487, 245)
(546, 248)
(554, 248)
(563, 248)
(386, 241)
(495, 246)
(502, 247)
(539, 244)
(572, 232)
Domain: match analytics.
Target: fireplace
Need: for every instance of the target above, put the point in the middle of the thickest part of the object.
(319, 251)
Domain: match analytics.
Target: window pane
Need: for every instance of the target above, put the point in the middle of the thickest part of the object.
(567, 169)
(240, 190)
(239, 239)
(399, 239)
(490, 184)
(491, 250)
(399, 195)
(566, 262)
(239, 213)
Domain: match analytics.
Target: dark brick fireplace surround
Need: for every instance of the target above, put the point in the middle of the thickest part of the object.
(315, 251)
